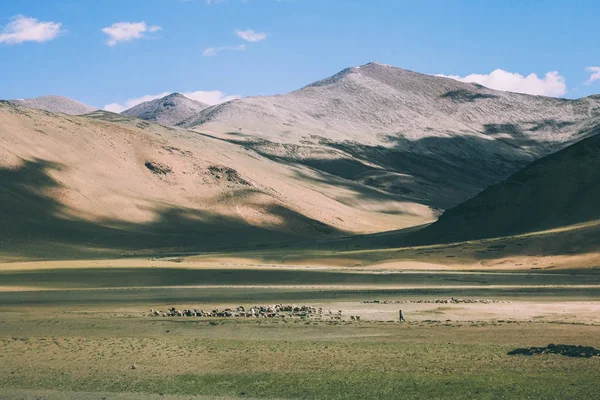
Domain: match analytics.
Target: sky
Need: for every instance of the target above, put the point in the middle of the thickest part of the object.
(114, 54)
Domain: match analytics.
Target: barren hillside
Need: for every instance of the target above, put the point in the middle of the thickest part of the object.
(56, 104)
(558, 190)
(371, 149)
(429, 139)
(108, 184)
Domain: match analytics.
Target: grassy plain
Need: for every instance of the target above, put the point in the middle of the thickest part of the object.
(73, 352)
(73, 329)
(74, 332)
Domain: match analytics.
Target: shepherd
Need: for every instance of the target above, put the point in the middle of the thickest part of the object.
(401, 316)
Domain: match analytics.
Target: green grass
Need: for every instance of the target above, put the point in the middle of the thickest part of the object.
(73, 341)
(71, 278)
(272, 359)
(161, 297)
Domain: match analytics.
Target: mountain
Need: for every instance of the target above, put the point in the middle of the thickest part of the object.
(557, 191)
(427, 139)
(104, 185)
(56, 104)
(371, 149)
(169, 110)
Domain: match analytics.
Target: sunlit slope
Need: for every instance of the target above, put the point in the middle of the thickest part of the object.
(106, 184)
(558, 190)
(429, 139)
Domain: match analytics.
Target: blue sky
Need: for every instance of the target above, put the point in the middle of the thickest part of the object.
(260, 47)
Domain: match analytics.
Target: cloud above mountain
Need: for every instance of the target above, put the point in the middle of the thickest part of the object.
(211, 97)
(26, 29)
(127, 31)
(552, 84)
(594, 74)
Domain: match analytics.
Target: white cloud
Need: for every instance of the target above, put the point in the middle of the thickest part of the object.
(251, 35)
(25, 29)
(595, 74)
(209, 97)
(213, 51)
(127, 31)
(552, 84)
(117, 108)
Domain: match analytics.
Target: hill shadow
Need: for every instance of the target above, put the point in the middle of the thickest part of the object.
(440, 172)
(445, 170)
(35, 224)
(339, 172)
(466, 96)
(555, 191)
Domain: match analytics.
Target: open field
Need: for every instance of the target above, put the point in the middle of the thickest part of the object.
(72, 352)
(74, 329)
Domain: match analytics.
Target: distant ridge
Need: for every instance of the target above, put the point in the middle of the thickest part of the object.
(56, 104)
(169, 110)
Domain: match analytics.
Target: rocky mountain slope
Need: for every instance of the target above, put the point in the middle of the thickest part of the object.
(56, 104)
(371, 149)
(427, 139)
(169, 110)
(105, 184)
(559, 190)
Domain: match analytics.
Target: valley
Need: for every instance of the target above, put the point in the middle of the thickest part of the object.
(372, 191)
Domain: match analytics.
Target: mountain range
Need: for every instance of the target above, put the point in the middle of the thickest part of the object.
(370, 149)
(428, 139)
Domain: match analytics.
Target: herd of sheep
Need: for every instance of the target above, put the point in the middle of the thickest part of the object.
(271, 311)
(437, 301)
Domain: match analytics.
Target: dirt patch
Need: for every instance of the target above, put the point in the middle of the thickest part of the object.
(158, 168)
(227, 174)
(562, 349)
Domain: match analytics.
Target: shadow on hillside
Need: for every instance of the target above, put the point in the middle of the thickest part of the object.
(551, 123)
(446, 170)
(466, 96)
(30, 218)
(339, 172)
(440, 172)
(449, 170)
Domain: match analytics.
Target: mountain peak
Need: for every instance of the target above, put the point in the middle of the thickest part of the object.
(377, 65)
(169, 110)
(176, 95)
(56, 104)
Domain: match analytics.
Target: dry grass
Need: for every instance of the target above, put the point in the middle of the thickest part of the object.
(94, 353)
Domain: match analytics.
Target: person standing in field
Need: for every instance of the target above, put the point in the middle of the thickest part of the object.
(401, 315)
